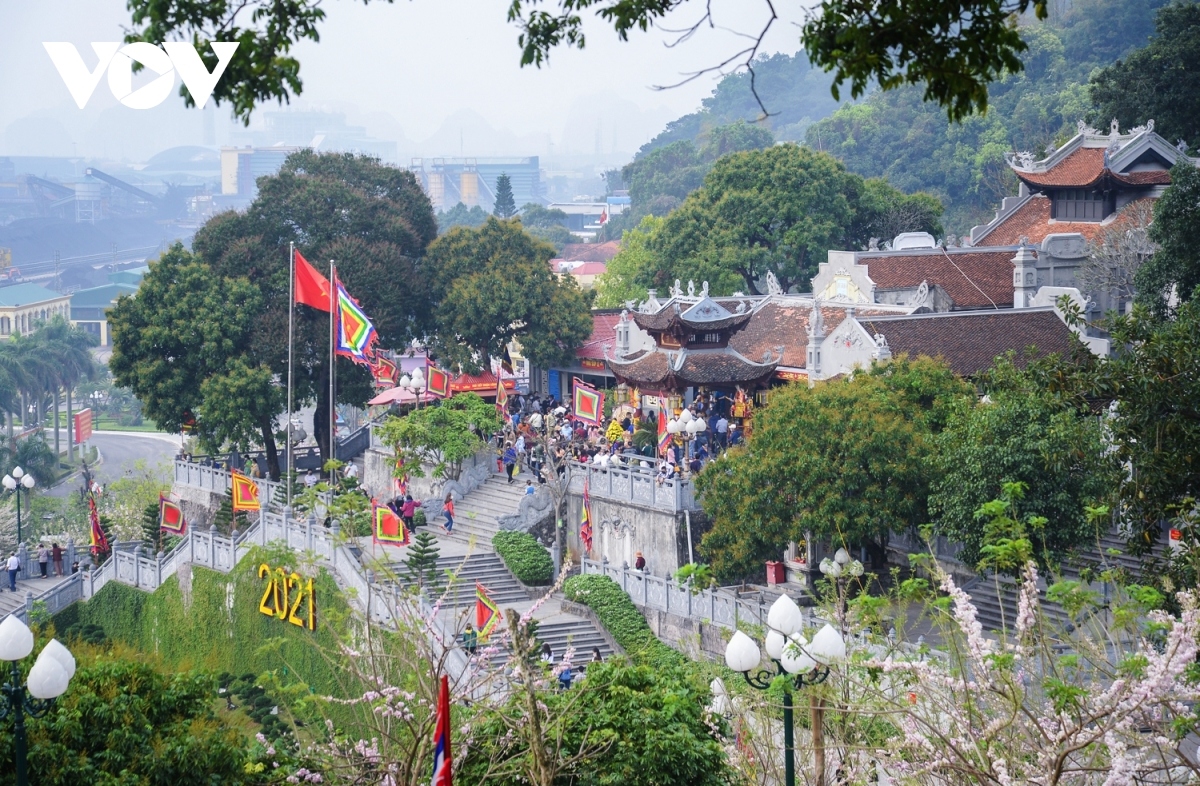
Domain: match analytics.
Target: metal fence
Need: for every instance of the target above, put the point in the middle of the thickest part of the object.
(634, 484)
(720, 606)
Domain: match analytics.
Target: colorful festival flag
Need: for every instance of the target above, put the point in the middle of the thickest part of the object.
(589, 403)
(439, 381)
(389, 529)
(244, 492)
(355, 333)
(501, 397)
(99, 540)
(664, 436)
(310, 287)
(385, 371)
(170, 517)
(442, 758)
(487, 613)
(585, 529)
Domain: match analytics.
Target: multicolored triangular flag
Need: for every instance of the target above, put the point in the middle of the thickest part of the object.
(664, 436)
(589, 403)
(170, 517)
(487, 613)
(355, 333)
(585, 529)
(442, 758)
(501, 397)
(99, 539)
(388, 528)
(244, 492)
(439, 381)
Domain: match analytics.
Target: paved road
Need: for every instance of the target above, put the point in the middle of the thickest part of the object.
(122, 451)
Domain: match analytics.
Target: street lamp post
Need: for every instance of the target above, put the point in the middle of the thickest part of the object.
(48, 679)
(798, 661)
(15, 482)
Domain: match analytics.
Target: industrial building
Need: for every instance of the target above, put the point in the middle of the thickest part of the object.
(472, 181)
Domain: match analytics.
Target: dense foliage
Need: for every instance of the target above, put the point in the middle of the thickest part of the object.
(491, 285)
(777, 210)
(621, 618)
(1020, 434)
(125, 723)
(461, 216)
(845, 461)
(644, 725)
(441, 436)
(525, 557)
(1160, 82)
(1173, 271)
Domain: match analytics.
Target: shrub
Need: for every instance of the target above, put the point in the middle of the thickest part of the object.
(621, 618)
(525, 557)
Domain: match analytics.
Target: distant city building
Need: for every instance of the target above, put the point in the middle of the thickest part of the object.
(472, 181)
(320, 131)
(242, 166)
(90, 307)
(23, 306)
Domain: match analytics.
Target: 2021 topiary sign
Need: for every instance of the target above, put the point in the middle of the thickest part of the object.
(285, 595)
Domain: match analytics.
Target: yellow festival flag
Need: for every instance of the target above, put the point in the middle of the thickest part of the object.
(244, 491)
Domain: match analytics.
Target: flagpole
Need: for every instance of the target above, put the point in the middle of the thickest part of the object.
(332, 366)
(291, 320)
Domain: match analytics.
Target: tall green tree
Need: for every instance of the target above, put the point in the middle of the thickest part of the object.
(461, 216)
(1022, 434)
(1174, 269)
(623, 279)
(777, 210)
(505, 206)
(372, 220)
(1160, 82)
(185, 346)
(492, 285)
(845, 462)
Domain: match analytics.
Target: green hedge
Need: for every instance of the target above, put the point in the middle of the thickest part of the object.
(524, 556)
(209, 632)
(621, 618)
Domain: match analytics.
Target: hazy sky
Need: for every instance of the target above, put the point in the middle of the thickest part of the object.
(423, 72)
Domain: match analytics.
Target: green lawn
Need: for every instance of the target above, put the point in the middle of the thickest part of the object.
(110, 424)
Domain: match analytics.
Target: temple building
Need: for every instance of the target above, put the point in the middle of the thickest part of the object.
(1067, 201)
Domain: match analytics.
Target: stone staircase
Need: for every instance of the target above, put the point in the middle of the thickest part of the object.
(990, 601)
(477, 513)
(556, 628)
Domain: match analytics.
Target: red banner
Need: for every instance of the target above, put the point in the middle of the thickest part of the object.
(83, 426)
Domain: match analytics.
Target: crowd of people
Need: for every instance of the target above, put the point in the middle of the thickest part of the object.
(536, 425)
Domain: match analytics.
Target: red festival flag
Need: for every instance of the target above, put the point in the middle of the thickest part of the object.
(442, 758)
(388, 528)
(170, 517)
(501, 397)
(244, 492)
(311, 288)
(386, 374)
(664, 436)
(439, 382)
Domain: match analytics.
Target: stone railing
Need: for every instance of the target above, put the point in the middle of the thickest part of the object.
(716, 606)
(636, 485)
(190, 473)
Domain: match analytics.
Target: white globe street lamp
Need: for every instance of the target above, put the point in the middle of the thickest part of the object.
(19, 479)
(800, 662)
(48, 679)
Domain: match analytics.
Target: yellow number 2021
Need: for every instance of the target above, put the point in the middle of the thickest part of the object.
(286, 595)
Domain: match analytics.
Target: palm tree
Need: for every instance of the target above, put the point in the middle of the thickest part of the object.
(69, 349)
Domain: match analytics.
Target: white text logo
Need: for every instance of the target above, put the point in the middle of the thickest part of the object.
(118, 60)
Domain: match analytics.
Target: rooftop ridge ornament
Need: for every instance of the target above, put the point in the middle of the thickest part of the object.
(773, 285)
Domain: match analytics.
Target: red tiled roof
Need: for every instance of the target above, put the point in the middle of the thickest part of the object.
(1081, 168)
(604, 331)
(705, 367)
(589, 252)
(1032, 220)
(970, 342)
(972, 279)
(1152, 177)
(1085, 167)
(776, 325)
(590, 269)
